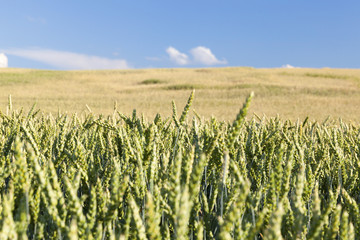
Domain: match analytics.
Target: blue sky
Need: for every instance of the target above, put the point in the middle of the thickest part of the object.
(161, 34)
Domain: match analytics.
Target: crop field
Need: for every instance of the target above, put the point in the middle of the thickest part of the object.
(289, 93)
(120, 176)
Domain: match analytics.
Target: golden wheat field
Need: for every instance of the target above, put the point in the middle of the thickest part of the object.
(289, 93)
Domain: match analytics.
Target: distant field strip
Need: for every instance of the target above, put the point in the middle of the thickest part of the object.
(289, 93)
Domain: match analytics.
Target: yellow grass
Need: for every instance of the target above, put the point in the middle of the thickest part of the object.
(220, 92)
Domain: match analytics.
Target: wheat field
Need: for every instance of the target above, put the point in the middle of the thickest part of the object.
(289, 93)
(82, 164)
(122, 177)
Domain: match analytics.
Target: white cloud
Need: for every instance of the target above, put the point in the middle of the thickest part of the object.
(287, 66)
(203, 55)
(68, 60)
(3, 61)
(200, 55)
(177, 57)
